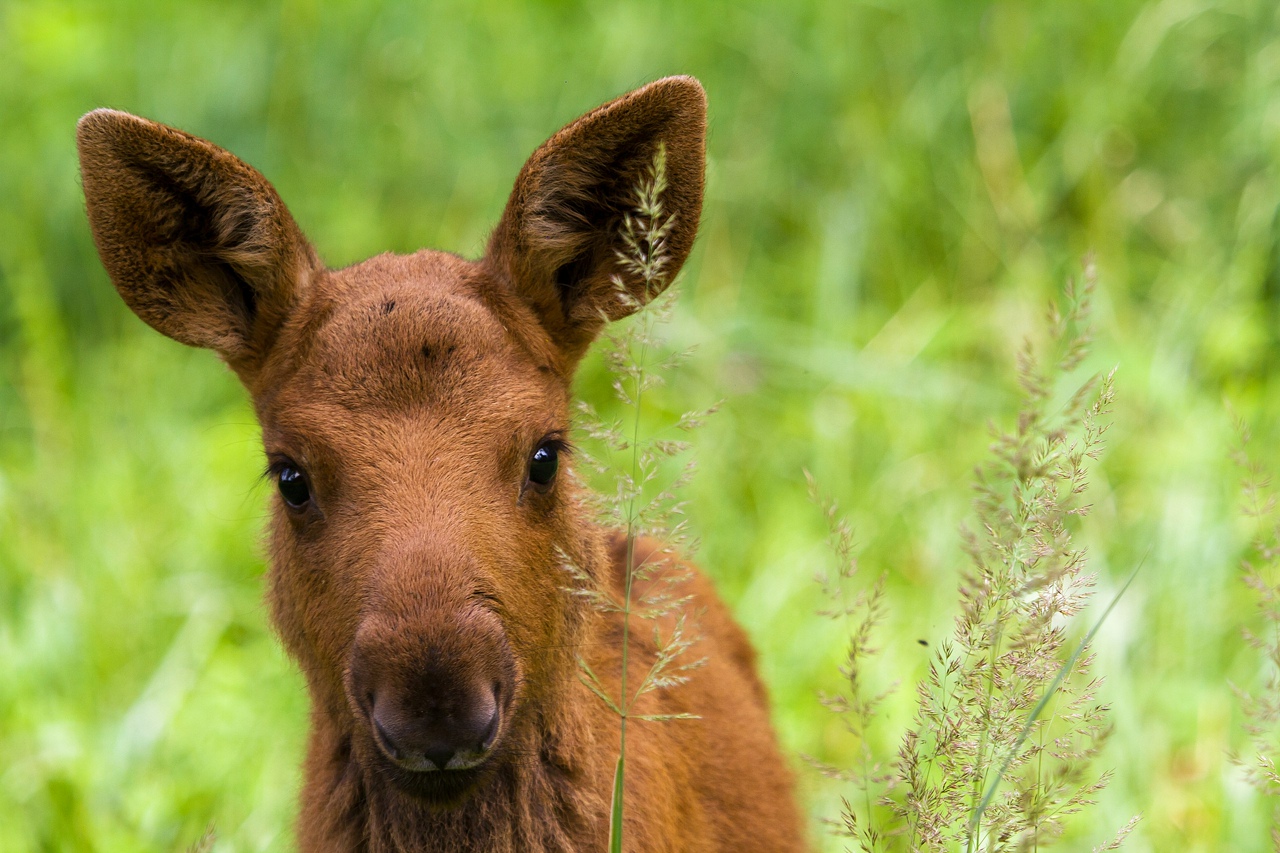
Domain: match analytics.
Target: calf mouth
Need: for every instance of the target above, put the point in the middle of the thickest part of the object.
(422, 777)
(418, 762)
(440, 789)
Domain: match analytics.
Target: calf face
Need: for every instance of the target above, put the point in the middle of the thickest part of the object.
(414, 414)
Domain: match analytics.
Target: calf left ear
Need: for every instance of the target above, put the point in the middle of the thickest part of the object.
(560, 237)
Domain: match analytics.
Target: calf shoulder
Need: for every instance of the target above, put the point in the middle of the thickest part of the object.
(713, 778)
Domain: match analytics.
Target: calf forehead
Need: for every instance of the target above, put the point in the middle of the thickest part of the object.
(398, 333)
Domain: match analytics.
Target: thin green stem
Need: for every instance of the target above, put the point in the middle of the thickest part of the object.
(980, 781)
(913, 821)
(624, 701)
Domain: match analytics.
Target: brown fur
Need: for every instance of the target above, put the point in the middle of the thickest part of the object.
(411, 391)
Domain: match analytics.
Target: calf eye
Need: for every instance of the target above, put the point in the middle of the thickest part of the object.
(293, 487)
(543, 464)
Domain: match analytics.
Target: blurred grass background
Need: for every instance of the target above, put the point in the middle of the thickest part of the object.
(895, 192)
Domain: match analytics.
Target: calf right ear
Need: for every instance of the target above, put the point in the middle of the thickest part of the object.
(196, 241)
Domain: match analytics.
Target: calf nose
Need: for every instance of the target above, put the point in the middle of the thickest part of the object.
(453, 730)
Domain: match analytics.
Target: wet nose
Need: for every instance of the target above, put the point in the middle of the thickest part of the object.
(453, 730)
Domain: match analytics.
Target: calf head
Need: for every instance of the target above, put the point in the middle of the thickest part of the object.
(414, 413)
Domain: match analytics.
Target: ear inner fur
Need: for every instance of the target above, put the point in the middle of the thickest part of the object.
(197, 242)
(557, 241)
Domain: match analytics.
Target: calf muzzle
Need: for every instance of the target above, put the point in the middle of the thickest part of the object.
(432, 693)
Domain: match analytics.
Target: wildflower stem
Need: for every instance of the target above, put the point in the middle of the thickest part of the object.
(643, 259)
(624, 701)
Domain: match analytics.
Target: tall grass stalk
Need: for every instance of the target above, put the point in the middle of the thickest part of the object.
(204, 844)
(1261, 572)
(644, 499)
(1007, 722)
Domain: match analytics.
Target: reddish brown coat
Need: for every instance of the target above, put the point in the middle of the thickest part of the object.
(417, 576)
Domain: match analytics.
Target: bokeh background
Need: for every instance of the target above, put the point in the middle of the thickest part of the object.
(896, 190)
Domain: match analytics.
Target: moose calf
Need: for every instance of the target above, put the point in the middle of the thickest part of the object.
(414, 413)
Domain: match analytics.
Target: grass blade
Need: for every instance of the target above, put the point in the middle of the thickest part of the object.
(615, 811)
(1061, 676)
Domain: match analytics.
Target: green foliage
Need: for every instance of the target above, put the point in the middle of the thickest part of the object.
(894, 191)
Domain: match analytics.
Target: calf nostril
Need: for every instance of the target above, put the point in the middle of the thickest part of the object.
(385, 741)
(491, 731)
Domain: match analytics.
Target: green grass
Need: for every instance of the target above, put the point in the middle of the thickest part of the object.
(895, 192)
